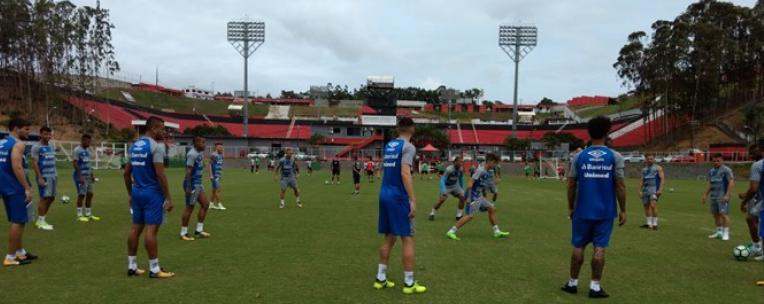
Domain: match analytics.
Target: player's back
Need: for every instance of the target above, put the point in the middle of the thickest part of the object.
(9, 184)
(595, 170)
(195, 161)
(143, 154)
(392, 180)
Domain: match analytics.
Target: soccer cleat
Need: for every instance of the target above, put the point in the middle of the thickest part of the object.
(431, 217)
(27, 257)
(383, 284)
(725, 237)
(221, 207)
(500, 234)
(760, 283)
(452, 235)
(161, 274)
(135, 272)
(458, 218)
(202, 235)
(94, 218)
(83, 219)
(281, 205)
(10, 263)
(655, 228)
(212, 206)
(645, 226)
(716, 235)
(601, 294)
(414, 289)
(569, 289)
(299, 205)
(44, 226)
(186, 237)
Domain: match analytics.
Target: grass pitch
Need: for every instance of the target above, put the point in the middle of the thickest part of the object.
(327, 251)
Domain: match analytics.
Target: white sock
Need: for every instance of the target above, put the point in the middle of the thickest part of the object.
(88, 212)
(459, 213)
(726, 231)
(40, 218)
(757, 245)
(183, 231)
(382, 272)
(719, 230)
(282, 202)
(432, 212)
(408, 278)
(649, 221)
(132, 262)
(453, 229)
(9, 257)
(21, 252)
(297, 199)
(154, 266)
(595, 285)
(79, 211)
(655, 221)
(573, 282)
(199, 227)
(495, 228)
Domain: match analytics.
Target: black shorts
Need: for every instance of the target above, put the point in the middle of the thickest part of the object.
(356, 178)
(335, 171)
(369, 172)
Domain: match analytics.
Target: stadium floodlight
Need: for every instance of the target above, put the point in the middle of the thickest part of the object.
(246, 37)
(517, 41)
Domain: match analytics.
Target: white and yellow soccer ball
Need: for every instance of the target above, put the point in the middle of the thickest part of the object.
(741, 253)
(326, 182)
(65, 199)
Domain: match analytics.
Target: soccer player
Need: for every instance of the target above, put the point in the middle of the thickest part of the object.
(271, 164)
(216, 173)
(84, 178)
(753, 207)
(595, 183)
(720, 183)
(309, 166)
(478, 203)
(336, 166)
(527, 170)
(15, 191)
(497, 172)
(257, 164)
(451, 183)
(192, 185)
(149, 197)
(397, 208)
(370, 170)
(288, 169)
(252, 165)
(755, 187)
(424, 169)
(44, 165)
(357, 167)
(651, 188)
(561, 171)
(489, 183)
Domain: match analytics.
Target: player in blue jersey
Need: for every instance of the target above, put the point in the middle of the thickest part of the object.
(397, 208)
(44, 165)
(721, 181)
(753, 207)
(595, 184)
(148, 196)
(756, 187)
(451, 183)
(478, 202)
(216, 173)
(84, 178)
(650, 190)
(287, 168)
(15, 191)
(192, 185)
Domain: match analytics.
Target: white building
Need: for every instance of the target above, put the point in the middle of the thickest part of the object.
(196, 93)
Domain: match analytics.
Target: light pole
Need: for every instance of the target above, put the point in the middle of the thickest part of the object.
(246, 37)
(517, 41)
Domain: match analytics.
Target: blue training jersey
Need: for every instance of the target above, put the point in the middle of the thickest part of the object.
(9, 184)
(651, 180)
(396, 153)
(45, 156)
(143, 154)
(288, 167)
(195, 161)
(719, 179)
(216, 163)
(595, 170)
(478, 182)
(82, 156)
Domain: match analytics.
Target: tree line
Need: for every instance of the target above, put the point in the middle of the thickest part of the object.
(46, 44)
(439, 95)
(707, 60)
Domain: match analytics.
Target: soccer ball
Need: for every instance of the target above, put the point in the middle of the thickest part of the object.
(671, 189)
(326, 182)
(741, 253)
(65, 199)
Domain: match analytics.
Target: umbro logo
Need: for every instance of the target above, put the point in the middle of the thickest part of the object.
(393, 144)
(597, 153)
(3, 141)
(140, 143)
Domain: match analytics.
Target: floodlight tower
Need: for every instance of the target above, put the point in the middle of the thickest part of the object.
(246, 37)
(517, 41)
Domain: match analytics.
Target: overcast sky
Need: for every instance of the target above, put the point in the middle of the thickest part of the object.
(421, 43)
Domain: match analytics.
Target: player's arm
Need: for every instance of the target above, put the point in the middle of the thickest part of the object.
(730, 185)
(753, 186)
(641, 185)
(620, 188)
(276, 171)
(705, 194)
(663, 179)
(209, 167)
(571, 188)
(408, 182)
(127, 176)
(17, 157)
(76, 167)
(37, 172)
(162, 177)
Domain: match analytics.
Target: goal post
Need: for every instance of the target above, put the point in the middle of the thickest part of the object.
(548, 167)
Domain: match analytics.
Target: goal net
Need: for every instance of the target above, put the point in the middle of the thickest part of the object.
(548, 167)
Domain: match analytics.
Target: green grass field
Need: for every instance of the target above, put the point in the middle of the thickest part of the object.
(327, 251)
